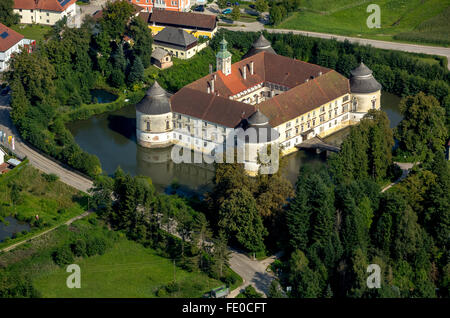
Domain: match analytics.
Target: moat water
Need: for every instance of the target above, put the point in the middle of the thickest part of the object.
(11, 226)
(112, 137)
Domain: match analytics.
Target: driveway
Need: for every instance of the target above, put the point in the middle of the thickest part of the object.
(253, 272)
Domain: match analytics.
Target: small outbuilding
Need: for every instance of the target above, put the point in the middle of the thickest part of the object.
(177, 41)
(161, 58)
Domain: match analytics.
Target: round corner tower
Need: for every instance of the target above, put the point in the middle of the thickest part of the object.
(365, 89)
(154, 118)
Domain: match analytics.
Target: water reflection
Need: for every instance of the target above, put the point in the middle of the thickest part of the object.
(112, 137)
(14, 226)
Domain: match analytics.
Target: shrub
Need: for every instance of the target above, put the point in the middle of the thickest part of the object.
(96, 246)
(62, 255)
(173, 287)
(79, 248)
(50, 177)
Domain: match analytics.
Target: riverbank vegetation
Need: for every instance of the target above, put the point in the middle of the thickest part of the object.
(53, 83)
(111, 266)
(40, 200)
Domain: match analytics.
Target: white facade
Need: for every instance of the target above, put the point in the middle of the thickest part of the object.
(47, 17)
(6, 55)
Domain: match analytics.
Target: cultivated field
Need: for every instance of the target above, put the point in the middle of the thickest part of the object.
(423, 21)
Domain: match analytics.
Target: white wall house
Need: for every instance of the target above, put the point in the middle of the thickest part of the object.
(2, 156)
(44, 11)
(10, 43)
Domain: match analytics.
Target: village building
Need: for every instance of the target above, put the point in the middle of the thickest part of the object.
(178, 42)
(44, 11)
(161, 58)
(11, 42)
(197, 24)
(170, 5)
(285, 100)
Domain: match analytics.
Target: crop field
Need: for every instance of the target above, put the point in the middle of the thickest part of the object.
(423, 21)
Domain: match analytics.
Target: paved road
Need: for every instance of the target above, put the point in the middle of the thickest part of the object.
(414, 48)
(406, 167)
(36, 159)
(253, 272)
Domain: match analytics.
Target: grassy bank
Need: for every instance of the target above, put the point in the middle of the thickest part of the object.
(404, 20)
(26, 192)
(126, 270)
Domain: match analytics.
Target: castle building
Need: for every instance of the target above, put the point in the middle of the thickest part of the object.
(284, 99)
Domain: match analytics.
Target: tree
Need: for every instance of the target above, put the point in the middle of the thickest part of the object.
(276, 16)
(236, 13)
(142, 38)
(221, 254)
(115, 18)
(261, 6)
(136, 72)
(422, 131)
(7, 15)
(240, 220)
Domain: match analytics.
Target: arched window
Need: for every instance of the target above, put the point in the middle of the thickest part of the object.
(167, 124)
(374, 102)
(148, 126)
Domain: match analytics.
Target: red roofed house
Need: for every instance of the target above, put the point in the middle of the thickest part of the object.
(171, 5)
(44, 11)
(10, 43)
(286, 102)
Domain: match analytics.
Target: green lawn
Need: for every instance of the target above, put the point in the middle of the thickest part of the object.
(398, 17)
(32, 31)
(126, 270)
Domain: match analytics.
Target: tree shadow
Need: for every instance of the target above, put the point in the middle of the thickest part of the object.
(125, 126)
(262, 281)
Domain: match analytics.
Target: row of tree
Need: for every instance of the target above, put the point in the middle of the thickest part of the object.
(61, 72)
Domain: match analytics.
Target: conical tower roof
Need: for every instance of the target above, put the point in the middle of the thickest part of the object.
(155, 102)
(258, 119)
(362, 80)
(260, 45)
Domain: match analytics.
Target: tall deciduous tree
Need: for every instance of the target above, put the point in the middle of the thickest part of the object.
(422, 131)
(240, 219)
(7, 15)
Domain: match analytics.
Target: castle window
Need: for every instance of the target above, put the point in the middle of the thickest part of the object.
(296, 130)
(329, 114)
(288, 124)
(345, 98)
(322, 109)
(374, 103)
(148, 126)
(335, 112)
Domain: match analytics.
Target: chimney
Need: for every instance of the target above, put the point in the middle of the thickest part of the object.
(212, 86)
(307, 80)
(209, 90)
(214, 76)
(244, 72)
(210, 68)
(320, 73)
(251, 67)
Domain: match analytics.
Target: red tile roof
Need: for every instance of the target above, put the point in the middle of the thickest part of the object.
(305, 97)
(190, 20)
(49, 5)
(10, 40)
(323, 85)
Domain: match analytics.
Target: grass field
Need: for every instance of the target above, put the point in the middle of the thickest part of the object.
(32, 31)
(126, 270)
(404, 20)
(54, 201)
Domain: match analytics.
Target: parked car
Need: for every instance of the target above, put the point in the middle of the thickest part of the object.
(200, 8)
(252, 6)
(226, 11)
(228, 4)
